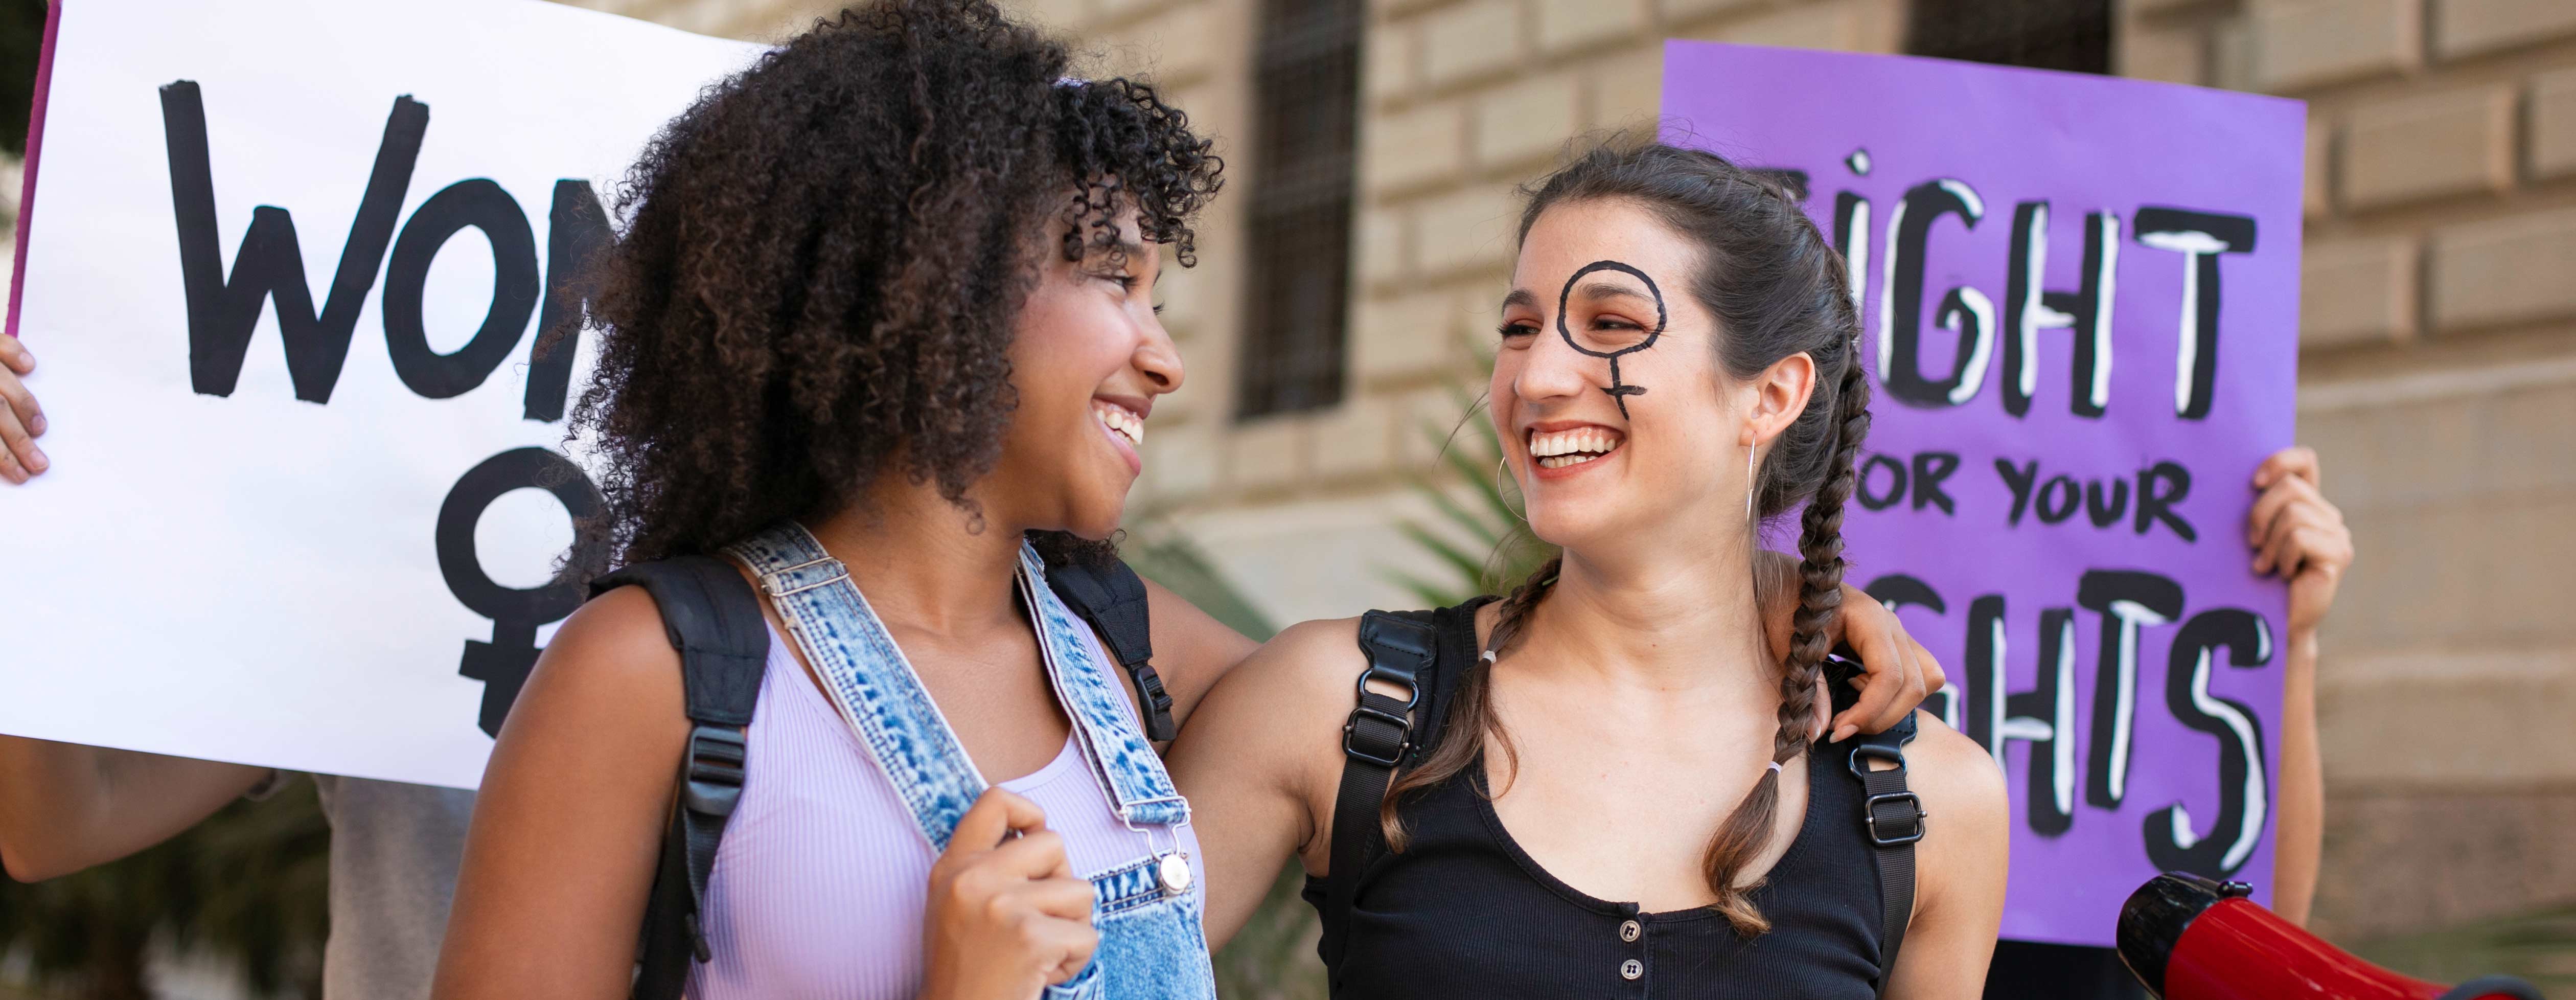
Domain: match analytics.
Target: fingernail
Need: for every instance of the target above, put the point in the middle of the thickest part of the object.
(36, 459)
(1844, 732)
(37, 425)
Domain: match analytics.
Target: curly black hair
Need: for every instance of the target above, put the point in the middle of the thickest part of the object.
(824, 257)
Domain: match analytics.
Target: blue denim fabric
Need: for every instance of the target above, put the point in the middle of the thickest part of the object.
(1151, 947)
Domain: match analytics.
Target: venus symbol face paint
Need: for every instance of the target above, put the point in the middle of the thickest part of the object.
(1618, 390)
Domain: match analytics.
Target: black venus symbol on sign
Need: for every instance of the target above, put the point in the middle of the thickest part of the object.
(503, 664)
(1618, 390)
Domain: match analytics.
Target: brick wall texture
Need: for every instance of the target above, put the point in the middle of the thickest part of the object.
(2438, 347)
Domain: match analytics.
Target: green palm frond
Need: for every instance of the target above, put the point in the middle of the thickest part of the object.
(1163, 554)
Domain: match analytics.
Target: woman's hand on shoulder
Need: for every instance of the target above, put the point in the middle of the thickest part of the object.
(1897, 672)
(1259, 754)
(1959, 876)
(568, 825)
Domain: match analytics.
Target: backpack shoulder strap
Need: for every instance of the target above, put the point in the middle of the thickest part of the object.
(1399, 649)
(714, 621)
(1893, 819)
(1111, 597)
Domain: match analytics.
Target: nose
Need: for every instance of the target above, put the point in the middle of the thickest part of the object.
(1553, 371)
(1158, 358)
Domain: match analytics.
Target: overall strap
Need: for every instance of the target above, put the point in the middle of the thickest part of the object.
(1893, 818)
(714, 621)
(1131, 775)
(1399, 649)
(1111, 597)
(866, 677)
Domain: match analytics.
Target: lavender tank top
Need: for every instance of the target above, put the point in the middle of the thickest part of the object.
(818, 887)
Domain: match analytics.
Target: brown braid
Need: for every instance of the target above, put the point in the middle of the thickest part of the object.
(1777, 289)
(1820, 601)
(1472, 708)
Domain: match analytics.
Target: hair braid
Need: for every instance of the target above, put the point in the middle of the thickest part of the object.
(1471, 710)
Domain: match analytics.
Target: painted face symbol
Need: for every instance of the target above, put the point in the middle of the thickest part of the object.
(1618, 390)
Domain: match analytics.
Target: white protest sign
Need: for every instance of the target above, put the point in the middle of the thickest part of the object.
(254, 546)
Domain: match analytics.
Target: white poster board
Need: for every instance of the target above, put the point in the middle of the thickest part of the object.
(239, 553)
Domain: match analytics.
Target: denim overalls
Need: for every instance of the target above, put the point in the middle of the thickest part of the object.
(1151, 947)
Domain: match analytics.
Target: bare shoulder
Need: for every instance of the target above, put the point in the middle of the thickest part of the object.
(1276, 717)
(1950, 770)
(1308, 660)
(1191, 648)
(1963, 794)
(609, 672)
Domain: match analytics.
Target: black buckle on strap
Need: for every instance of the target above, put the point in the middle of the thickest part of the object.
(1869, 815)
(714, 777)
(1350, 736)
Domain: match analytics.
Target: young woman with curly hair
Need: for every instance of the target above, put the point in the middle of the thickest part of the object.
(884, 302)
(1612, 784)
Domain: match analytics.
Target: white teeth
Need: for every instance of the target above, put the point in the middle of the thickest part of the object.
(1561, 461)
(1122, 422)
(1572, 442)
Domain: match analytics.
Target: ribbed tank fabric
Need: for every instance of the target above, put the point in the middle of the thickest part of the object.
(818, 888)
(1465, 914)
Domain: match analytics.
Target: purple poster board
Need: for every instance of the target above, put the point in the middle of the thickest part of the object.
(2080, 300)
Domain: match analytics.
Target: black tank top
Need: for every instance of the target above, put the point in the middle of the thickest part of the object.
(1465, 913)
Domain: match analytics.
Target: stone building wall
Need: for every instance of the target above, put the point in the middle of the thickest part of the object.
(2438, 348)
(2438, 380)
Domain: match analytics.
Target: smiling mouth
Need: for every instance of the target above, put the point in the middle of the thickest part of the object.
(1127, 424)
(1561, 449)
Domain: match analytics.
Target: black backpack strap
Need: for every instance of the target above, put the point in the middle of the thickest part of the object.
(714, 620)
(1399, 649)
(1111, 597)
(1893, 819)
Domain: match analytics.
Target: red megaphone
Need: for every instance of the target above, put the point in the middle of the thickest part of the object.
(2189, 938)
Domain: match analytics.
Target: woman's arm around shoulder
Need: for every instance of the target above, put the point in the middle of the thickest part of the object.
(1259, 762)
(568, 826)
(1959, 868)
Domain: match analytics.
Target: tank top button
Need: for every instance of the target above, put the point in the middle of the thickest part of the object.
(1628, 931)
(1631, 969)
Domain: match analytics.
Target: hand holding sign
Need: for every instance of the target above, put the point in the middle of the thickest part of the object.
(2299, 536)
(21, 421)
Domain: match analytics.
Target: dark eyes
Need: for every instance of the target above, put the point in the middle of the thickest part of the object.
(1126, 284)
(1519, 329)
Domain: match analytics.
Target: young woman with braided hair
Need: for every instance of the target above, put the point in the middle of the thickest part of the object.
(1612, 783)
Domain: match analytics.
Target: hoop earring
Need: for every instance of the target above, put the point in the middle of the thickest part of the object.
(1499, 465)
(1748, 482)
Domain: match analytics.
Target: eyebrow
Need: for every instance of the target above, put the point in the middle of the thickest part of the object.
(1604, 289)
(1521, 297)
(1131, 250)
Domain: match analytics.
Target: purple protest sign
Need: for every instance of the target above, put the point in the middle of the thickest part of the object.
(2080, 297)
